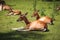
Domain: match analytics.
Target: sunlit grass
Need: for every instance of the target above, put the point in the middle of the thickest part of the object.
(8, 22)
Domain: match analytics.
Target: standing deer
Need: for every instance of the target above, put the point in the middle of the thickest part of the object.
(45, 19)
(4, 6)
(35, 25)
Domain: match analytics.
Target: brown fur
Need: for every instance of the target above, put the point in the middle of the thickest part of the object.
(6, 7)
(35, 13)
(46, 20)
(23, 17)
(35, 25)
(14, 12)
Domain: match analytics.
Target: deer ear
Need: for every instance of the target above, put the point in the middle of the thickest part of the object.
(26, 13)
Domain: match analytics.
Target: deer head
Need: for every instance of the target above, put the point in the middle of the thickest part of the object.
(35, 14)
(23, 17)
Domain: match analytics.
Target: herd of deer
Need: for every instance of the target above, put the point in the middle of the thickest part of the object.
(4, 6)
(39, 24)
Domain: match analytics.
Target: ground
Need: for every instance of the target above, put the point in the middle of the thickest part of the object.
(8, 22)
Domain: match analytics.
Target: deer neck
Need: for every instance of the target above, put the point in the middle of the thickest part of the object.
(26, 20)
(37, 17)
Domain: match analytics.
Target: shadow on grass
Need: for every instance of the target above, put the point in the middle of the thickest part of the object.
(14, 35)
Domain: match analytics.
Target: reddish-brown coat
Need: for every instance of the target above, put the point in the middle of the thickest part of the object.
(45, 19)
(6, 7)
(14, 12)
(35, 25)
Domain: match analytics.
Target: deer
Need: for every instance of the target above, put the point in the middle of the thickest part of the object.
(7, 7)
(23, 17)
(35, 25)
(4, 6)
(2, 2)
(10, 10)
(45, 19)
(14, 12)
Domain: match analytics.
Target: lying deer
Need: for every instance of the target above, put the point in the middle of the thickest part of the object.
(45, 19)
(14, 12)
(2, 2)
(23, 17)
(11, 11)
(35, 25)
(7, 7)
(4, 6)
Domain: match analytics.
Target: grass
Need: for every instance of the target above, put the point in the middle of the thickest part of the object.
(8, 22)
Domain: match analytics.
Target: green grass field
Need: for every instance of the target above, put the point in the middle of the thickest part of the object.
(8, 22)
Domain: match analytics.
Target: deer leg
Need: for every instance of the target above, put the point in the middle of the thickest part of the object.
(25, 30)
(18, 29)
(10, 14)
(21, 29)
(15, 13)
(45, 29)
(51, 22)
